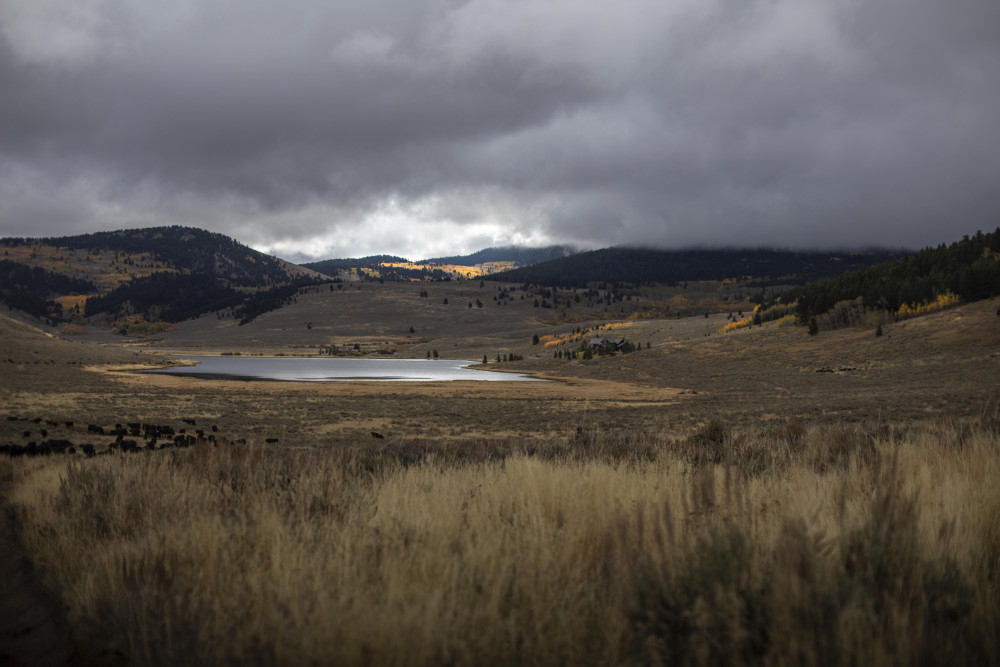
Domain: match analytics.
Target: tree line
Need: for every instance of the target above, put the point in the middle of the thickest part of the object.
(170, 297)
(30, 288)
(638, 266)
(174, 297)
(969, 268)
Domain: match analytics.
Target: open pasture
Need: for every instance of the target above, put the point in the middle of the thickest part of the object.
(581, 520)
(943, 363)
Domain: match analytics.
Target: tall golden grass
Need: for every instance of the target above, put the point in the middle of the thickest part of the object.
(820, 546)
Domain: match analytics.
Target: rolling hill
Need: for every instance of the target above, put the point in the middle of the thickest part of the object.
(160, 273)
(519, 255)
(129, 279)
(332, 267)
(476, 265)
(638, 266)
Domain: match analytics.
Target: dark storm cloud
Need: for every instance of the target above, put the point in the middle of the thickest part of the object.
(425, 126)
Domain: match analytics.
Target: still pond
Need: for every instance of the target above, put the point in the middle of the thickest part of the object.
(337, 370)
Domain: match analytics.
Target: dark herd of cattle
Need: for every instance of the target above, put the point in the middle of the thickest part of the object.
(131, 437)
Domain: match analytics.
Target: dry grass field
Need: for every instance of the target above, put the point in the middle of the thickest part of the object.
(450, 318)
(858, 545)
(758, 497)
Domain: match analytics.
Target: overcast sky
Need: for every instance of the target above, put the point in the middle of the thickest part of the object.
(316, 129)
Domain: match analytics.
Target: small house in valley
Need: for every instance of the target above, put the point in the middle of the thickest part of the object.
(607, 345)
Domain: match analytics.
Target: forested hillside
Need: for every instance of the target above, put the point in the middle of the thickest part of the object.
(182, 249)
(32, 289)
(161, 274)
(331, 267)
(640, 266)
(170, 297)
(968, 269)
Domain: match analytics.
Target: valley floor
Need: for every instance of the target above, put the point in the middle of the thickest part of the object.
(940, 364)
(936, 374)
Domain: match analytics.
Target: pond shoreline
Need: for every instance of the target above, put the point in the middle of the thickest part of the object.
(319, 369)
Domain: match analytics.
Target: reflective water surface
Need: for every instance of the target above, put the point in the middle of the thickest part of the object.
(337, 370)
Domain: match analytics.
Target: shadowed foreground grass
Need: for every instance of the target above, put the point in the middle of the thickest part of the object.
(845, 545)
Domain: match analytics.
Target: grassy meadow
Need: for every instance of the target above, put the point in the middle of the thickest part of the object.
(867, 544)
(757, 497)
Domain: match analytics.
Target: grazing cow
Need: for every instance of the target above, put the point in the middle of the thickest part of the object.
(26, 434)
(129, 446)
(215, 429)
(87, 449)
(16, 451)
(58, 446)
(189, 421)
(152, 431)
(68, 424)
(271, 441)
(93, 428)
(378, 436)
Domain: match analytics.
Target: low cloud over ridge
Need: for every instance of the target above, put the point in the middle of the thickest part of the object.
(433, 127)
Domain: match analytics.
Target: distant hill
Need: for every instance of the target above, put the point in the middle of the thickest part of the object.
(642, 265)
(520, 255)
(160, 273)
(179, 249)
(331, 267)
(389, 267)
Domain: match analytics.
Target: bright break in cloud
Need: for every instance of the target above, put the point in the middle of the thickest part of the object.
(316, 129)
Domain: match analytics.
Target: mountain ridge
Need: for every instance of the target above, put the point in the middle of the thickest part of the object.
(175, 273)
(648, 265)
(522, 255)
